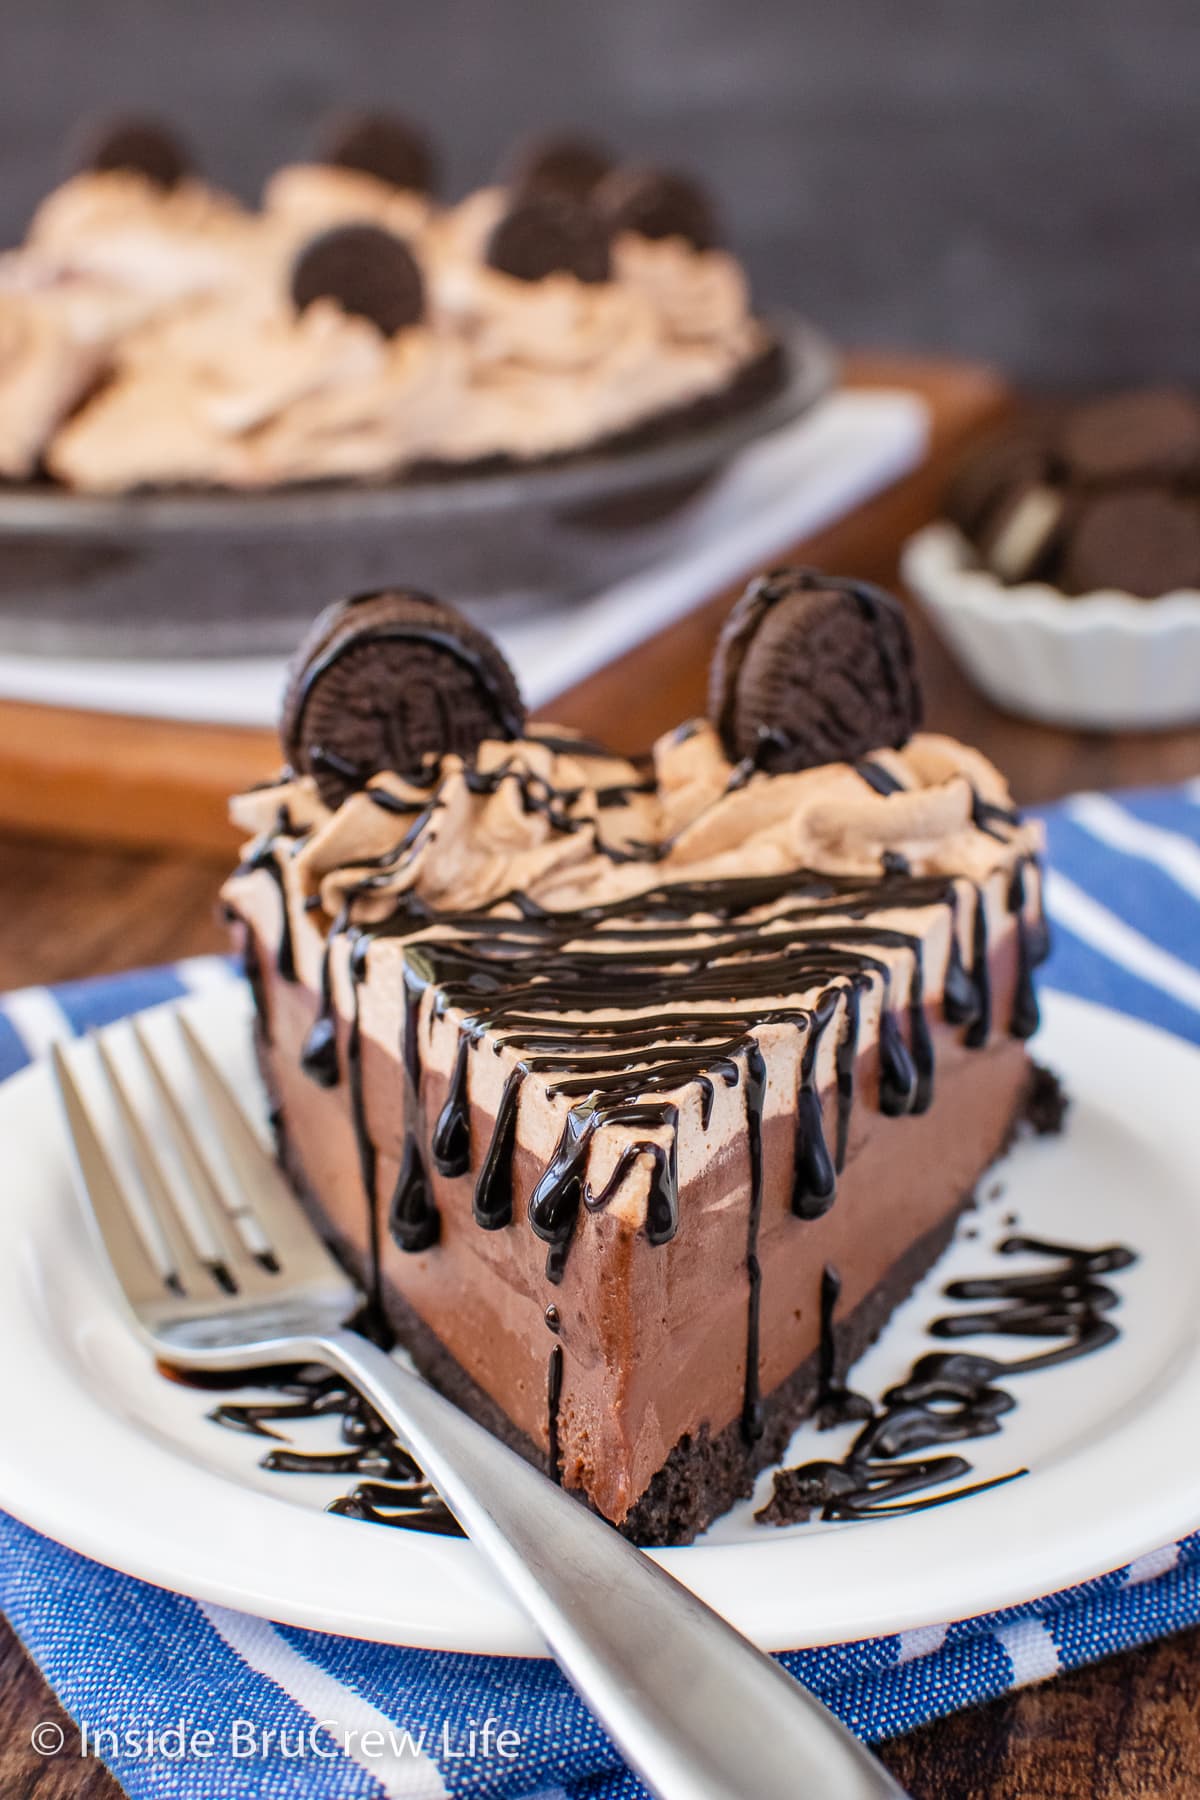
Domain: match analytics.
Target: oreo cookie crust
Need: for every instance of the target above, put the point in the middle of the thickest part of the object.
(811, 669)
(387, 681)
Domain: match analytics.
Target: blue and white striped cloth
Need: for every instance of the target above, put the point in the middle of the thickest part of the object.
(124, 1657)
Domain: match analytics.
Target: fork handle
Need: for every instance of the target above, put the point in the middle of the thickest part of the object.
(697, 1711)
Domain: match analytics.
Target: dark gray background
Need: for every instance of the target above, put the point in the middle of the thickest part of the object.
(1018, 181)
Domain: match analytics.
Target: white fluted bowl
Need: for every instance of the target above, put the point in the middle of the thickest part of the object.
(1106, 660)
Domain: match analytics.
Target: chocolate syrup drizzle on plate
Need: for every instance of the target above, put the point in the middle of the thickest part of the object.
(946, 1398)
(952, 1396)
(666, 991)
(393, 1491)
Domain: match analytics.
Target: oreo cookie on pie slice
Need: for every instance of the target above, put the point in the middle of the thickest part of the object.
(657, 203)
(545, 234)
(379, 144)
(813, 669)
(138, 146)
(367, 271)
(388, 681)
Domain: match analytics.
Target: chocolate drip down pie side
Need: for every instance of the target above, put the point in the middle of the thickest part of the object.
(590, 1069)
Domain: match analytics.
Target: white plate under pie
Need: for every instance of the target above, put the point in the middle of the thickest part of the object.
(100, 1452)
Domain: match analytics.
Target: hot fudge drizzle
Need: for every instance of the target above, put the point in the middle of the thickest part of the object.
(394, 1490)
(836, 1404)
(950, 1397)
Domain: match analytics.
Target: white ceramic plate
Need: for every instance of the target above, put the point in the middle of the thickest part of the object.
(102, 1453)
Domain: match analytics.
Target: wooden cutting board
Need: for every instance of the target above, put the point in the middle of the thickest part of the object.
(110, 779)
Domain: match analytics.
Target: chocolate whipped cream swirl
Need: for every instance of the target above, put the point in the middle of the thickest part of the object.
(548, 818)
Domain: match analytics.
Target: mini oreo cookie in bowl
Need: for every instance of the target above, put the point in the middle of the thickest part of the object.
(1151, 435)
(1066, 574)
(388, 680)
(545, 234)
(813, 669)
(1142, 542)
(366, 271)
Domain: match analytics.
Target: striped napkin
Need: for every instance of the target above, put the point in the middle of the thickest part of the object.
(368, 1719)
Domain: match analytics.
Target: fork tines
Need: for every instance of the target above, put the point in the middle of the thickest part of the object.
(213, 1219)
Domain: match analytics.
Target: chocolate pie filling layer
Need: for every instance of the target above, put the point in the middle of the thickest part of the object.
(590, 1070)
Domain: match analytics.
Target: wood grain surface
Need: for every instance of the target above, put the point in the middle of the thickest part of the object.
(1130, 1727)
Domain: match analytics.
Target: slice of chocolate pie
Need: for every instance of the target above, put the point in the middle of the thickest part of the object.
(591, 1070)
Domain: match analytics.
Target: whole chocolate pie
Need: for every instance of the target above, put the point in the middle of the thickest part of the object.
(637, 1095)
(154, 333)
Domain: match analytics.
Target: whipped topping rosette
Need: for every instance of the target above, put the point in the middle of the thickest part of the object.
(372, 168)
(128, 236)
(563, 350)
(699, 294)
(47, 364)
(339, 377)
(484, 841)
(452, 248)
(664, 245)
(305, 198)
(137, 217)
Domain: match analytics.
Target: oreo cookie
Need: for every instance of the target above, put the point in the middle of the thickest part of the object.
(388, 681)
(1142, 542)
(559, 164)
(141, 147)
(376, 143)
(367, 271)
(655, 203)
(1024, 531)
(548, 234)
(991, 476)
(813, 669)
(1149, 436)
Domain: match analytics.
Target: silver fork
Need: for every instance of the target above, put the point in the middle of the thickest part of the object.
(697, 1711)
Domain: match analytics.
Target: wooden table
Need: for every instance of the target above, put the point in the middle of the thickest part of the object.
(1128, 1727)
